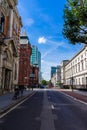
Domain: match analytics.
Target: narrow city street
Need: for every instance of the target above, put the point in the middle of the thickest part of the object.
(47, 109)
(43, 65)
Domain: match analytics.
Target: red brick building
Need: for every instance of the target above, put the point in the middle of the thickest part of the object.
(34, 75)
(28, 73)
(24, 61)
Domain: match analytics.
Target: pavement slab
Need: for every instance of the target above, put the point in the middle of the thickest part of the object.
(6, 101)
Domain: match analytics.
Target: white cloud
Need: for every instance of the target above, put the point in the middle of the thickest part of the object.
(42, 40)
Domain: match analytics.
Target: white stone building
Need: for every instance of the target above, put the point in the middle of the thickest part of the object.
(56, 76)
(76, 70)
(64, 62)
(53, 80)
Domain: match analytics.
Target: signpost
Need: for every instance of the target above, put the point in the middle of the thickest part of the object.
(32, 75)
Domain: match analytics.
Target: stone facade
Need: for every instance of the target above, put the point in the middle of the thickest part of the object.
(10, 25)
(56, 78)
(64, 62)
(76, 70)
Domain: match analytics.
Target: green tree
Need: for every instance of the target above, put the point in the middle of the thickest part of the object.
(44, 82)
(58, 84)
(75, 21)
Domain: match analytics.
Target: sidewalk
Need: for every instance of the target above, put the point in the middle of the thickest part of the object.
(6, 101)
(78, 94)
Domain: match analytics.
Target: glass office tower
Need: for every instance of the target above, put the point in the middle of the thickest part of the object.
(36, 59)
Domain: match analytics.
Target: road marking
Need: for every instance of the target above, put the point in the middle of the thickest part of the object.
(52, 106)
(47, 121)
(74, 98)
(16, 106)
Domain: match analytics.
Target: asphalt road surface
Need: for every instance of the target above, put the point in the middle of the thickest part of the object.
(47, 110)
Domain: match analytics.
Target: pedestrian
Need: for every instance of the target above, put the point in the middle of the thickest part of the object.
(16, 92)
(21, 88)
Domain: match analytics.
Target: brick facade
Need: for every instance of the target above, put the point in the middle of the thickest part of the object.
(24, 62)
(34, 80)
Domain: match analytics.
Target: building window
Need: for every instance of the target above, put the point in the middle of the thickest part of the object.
(82, 65)
(79, 81)
(78, 67)
(15, 24)
(86, 53)
(15, 74)
(82, 81)
(81, 57)
(2, 19)
(78, 59)
(86, 64)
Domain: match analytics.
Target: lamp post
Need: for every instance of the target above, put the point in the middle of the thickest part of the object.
(35, 72)
(72, 83)
(72, 77)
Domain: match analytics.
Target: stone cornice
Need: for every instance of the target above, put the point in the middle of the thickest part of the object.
(12, 3)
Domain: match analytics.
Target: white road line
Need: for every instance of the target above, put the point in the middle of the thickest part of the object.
(74, 98)
(52, 106)
(15, 106)
(47, 121)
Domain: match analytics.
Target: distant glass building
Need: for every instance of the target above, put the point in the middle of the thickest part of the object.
(53, 70)
(34, 56)
(36, 59)
(39, 60)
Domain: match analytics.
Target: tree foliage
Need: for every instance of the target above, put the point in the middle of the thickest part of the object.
(75, 21)
(44, 82)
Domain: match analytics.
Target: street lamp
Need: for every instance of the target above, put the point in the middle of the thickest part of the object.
(72, 83)
(72, 77)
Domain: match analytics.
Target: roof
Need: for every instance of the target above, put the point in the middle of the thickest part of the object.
(24, 38)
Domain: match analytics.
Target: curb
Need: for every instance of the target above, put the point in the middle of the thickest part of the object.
(76, 99)
(4, 110)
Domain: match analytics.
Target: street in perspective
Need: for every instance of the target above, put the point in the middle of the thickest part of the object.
(43, 65)
(46, 109)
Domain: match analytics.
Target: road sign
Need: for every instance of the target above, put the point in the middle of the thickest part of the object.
(32, 75)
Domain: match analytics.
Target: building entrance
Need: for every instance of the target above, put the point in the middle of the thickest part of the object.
(6, 80)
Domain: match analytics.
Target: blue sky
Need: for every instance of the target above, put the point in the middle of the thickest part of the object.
(43, 22)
